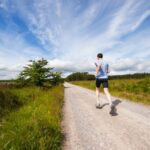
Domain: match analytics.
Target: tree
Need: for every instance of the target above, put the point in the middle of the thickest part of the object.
(80, 76)
(56, 78)
(36, 73)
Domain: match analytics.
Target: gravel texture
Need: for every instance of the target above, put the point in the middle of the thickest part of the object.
(88, 128)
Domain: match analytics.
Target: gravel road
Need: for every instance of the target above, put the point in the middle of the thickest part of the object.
(88, 128)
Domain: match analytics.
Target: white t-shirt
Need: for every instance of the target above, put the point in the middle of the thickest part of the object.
(103, 73)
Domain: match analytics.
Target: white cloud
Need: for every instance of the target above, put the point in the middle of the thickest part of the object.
(15, 53)
(68, 66)
(119, 18)
(74, 36)
(131, 65)
(142, 18)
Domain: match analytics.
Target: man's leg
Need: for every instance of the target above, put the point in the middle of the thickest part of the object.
(97, 93)
(112, 106)
(108, 96)
(97, 97)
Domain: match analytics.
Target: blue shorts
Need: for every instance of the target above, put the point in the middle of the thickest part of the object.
(101, 81)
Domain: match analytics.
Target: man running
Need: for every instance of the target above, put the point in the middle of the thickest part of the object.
(102, 70)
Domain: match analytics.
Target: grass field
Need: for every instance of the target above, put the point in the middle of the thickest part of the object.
(30, 118)
(137, 90)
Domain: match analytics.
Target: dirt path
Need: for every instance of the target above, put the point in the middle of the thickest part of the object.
(88, 128)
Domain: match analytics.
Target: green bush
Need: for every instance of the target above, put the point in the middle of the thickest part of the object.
(8, 102)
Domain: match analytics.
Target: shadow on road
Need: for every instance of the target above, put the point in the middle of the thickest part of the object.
(113, 111)
(116, 102)
(66, 87)
(104, 105)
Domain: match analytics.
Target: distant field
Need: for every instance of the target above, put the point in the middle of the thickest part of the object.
(137, 90)
(30, 118)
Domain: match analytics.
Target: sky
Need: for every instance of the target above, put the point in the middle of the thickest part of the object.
(70, 33)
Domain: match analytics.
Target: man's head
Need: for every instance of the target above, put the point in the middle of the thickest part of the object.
(99, 55)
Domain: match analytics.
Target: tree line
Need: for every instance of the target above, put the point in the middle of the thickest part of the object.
(80, 76)
(130, 76)
(76, 76)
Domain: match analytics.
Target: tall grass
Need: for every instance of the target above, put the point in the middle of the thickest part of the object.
(35, 124)
(133, 89)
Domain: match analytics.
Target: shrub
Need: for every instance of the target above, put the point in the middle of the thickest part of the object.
(8, 102)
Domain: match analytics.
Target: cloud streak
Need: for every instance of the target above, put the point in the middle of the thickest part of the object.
(141, 20)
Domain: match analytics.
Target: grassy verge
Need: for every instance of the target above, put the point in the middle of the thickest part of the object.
(137, 90)
(31, 118)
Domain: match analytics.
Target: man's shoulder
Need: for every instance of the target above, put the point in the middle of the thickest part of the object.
(101, 62)
(98, 62)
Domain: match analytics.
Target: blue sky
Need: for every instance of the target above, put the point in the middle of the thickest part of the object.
(69, 34)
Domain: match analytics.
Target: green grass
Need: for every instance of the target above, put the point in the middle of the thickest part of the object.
(137, 90)
(31, 118)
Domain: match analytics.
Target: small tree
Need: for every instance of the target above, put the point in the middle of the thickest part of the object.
(36, 73)
(21, 80)
(56, 78)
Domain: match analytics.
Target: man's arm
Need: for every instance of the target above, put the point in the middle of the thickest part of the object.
(108, 69)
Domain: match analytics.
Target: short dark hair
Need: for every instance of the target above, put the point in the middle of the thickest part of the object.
(100, 55)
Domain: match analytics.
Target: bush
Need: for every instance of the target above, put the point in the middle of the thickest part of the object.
(8, 102)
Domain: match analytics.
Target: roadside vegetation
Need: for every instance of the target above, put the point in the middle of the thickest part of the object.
(31, 110)
(137, 90)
